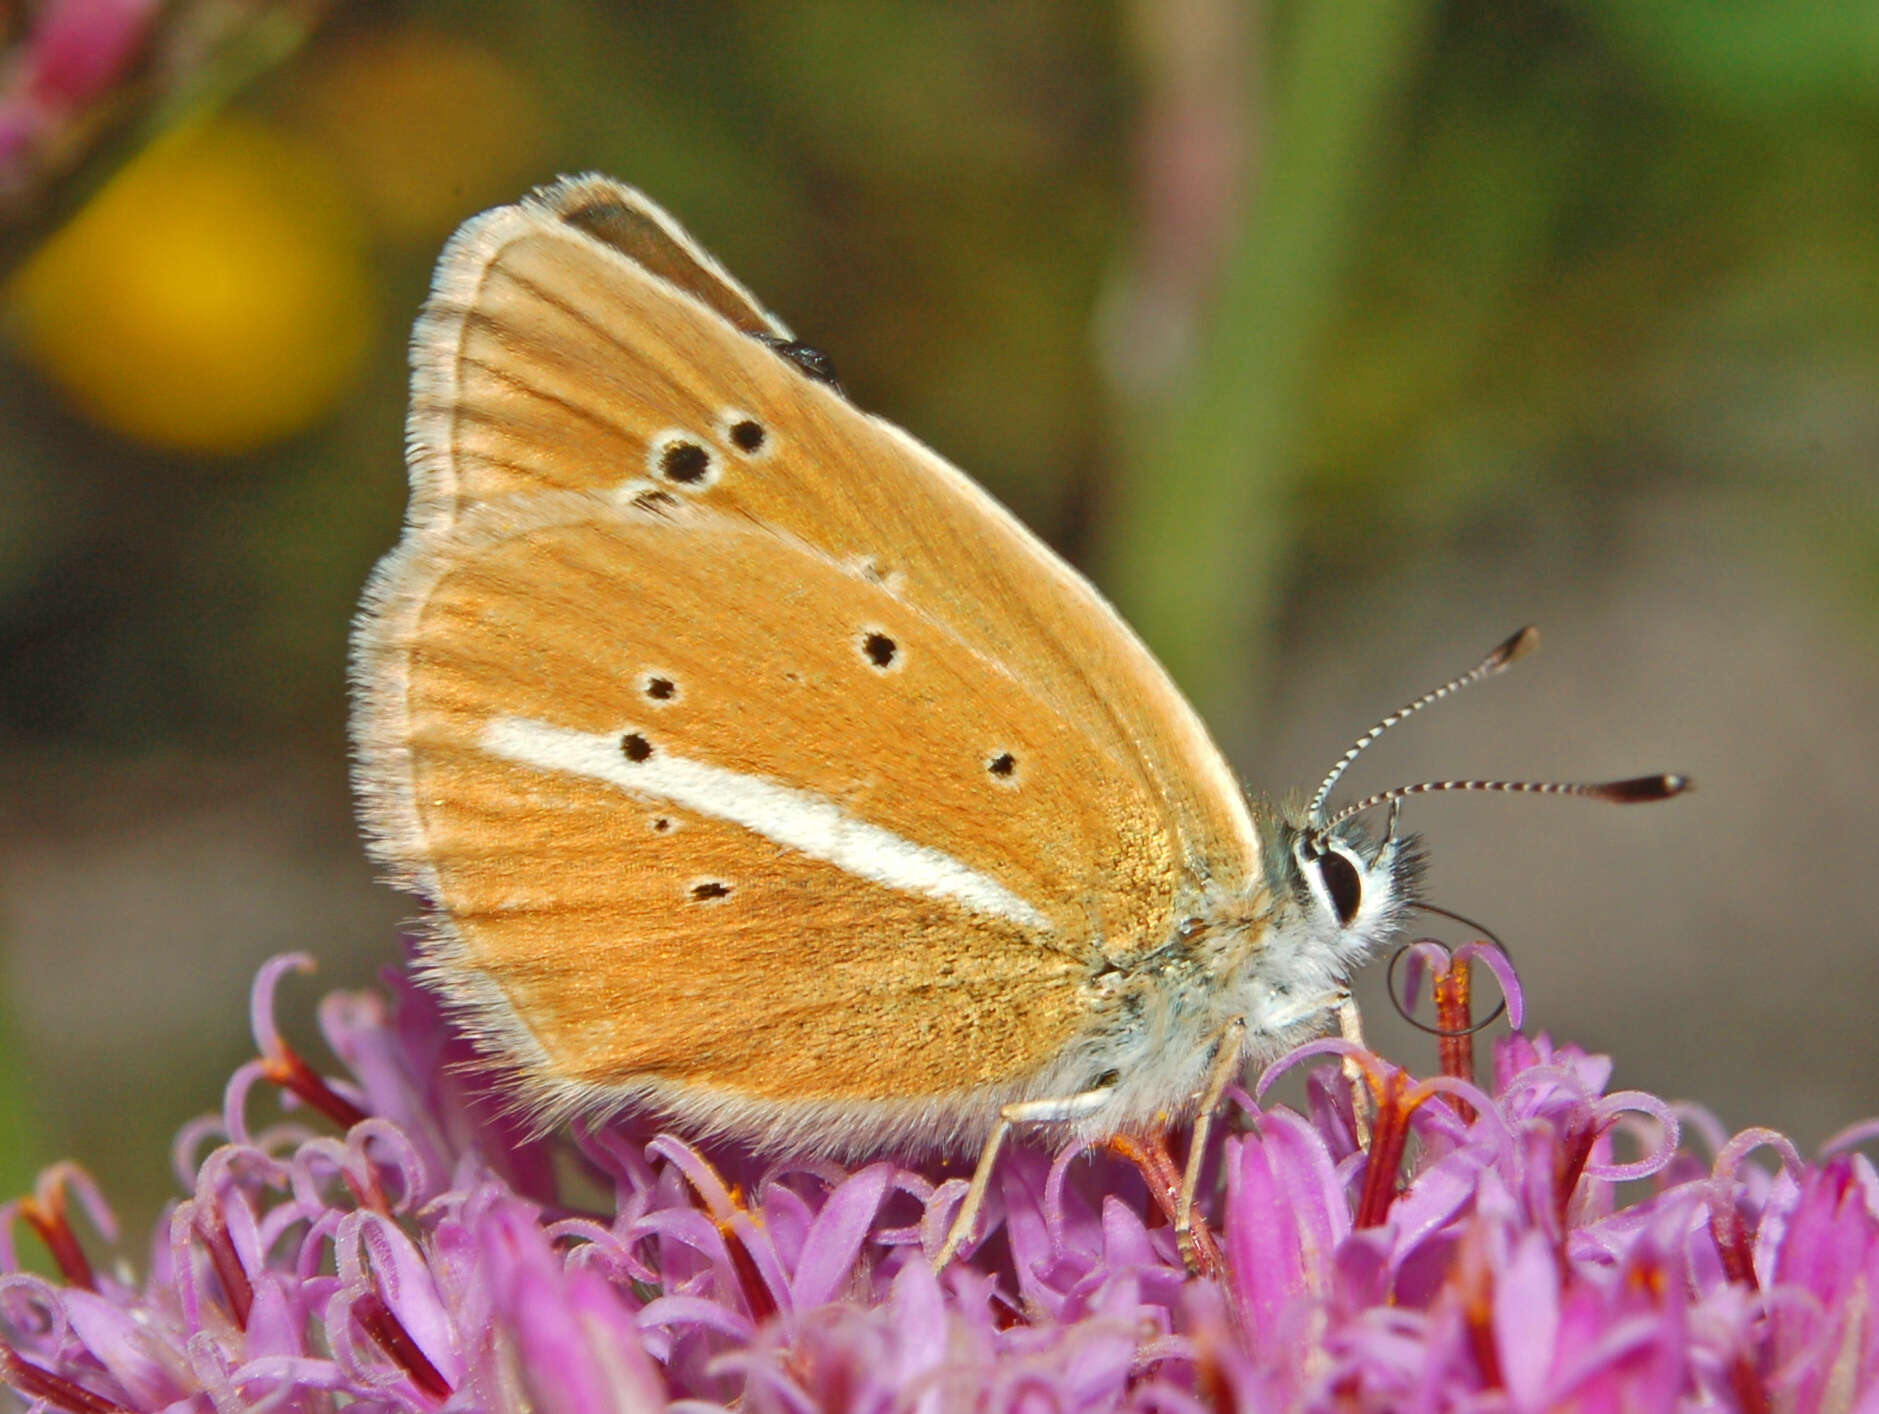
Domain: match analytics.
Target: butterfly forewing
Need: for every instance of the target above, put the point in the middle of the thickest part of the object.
(642, 541)
(559, 362)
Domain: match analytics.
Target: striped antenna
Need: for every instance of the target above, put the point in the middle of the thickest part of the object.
(1521, 644)
(1632, 792)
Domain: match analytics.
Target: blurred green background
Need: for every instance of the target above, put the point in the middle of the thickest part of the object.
(1336, 339)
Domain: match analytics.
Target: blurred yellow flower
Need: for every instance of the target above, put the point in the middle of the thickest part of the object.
(213, 297)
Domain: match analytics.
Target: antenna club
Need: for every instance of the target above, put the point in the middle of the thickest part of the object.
(1642, 789)
(1514, 649)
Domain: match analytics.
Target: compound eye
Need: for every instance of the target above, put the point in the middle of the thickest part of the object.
(1342, 884)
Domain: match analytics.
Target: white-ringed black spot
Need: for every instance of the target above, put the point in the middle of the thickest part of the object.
(710, 890)
(635, 747)
(680, 459)
(684, 461)
(1004, 766)
(661, 824)
(659, 687)
(746, 434)
(880, 650)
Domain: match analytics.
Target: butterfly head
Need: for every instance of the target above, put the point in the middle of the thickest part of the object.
(1341, 891)
(1335, 896)
(1337, 892)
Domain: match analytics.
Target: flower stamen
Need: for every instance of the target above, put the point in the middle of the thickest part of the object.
(288, 1071)
(1200, 1251)
(757, 1298)
(280, 1063)
(38, 1383)
(45, 1211)
(388, 1333)
(1454, 1013)
(213, 1232)
(1389, 1140)
(724, 1205)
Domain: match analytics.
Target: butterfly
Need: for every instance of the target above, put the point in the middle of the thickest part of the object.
(761, 772)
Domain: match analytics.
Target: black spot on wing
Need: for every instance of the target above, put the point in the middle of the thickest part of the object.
(879, 649)
(684, 462)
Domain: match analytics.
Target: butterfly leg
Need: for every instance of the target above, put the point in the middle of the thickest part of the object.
(1051, 1111)
(1228, 1058)
(1350, 1025)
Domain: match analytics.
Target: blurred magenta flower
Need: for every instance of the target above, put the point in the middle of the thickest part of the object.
(413, 1249)
(69, 58)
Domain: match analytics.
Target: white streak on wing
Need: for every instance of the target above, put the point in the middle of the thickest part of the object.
(783, 815)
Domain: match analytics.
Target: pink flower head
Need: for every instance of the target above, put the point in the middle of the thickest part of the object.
(395, 1242)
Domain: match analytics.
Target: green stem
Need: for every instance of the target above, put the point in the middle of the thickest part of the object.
(1197, 541)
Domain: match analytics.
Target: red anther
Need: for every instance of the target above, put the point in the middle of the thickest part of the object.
(388, 1333)
(285, 1068)
(757, 1298)
(1473, 1283)
(1575, 1150)
(1454, 1017)
(1734, 1243)
(38, 1383)
(1751, 1390)
(1149, 1154)
(724, 1205)
(1389, 1138)
(228, 1268)
(1731, 1237)
(1212, 1384)
(44, 1212)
